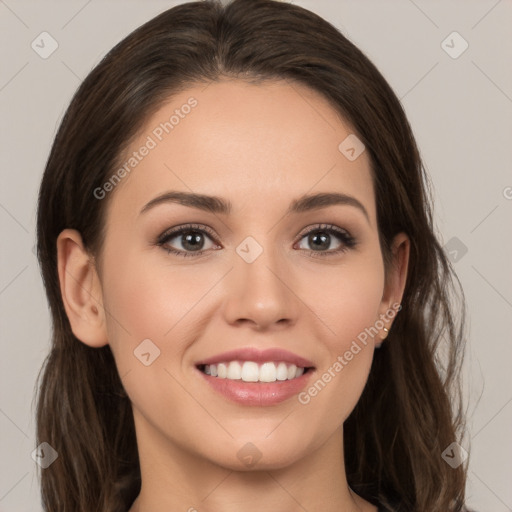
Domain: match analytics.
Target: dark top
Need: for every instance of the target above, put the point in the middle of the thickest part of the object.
(380, 508)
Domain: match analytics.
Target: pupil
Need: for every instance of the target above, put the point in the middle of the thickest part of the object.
(324, 238)
(194, 240)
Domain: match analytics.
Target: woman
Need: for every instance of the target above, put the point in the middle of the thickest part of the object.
(246, 289)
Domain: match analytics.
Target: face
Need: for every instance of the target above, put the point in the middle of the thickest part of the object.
(258, 284)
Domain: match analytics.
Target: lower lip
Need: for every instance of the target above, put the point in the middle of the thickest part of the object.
(258, 393)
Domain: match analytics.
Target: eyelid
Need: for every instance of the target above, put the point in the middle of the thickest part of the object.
(178, 229)
(323, 226)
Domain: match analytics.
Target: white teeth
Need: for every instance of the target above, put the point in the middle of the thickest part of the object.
(282, 371)
(222, 370)
(234, 370)
(268, 372)
(249, 371)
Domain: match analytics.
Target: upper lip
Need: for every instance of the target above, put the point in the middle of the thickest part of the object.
(258, 356)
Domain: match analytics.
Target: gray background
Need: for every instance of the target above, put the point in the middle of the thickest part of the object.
(461, 113)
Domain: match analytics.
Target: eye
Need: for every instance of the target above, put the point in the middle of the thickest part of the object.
(321, 237)
(190, 237)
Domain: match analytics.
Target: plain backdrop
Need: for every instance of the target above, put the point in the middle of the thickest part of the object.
(460, 109)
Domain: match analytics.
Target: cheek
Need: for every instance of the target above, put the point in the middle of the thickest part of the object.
(348, 304)
(148, 298)
(149, 329)
(134, 300)
(348, 300)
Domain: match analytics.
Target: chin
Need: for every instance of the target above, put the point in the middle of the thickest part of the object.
(260, 452)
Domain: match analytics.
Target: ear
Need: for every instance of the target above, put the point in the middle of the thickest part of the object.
(81, 289)
(395, 281)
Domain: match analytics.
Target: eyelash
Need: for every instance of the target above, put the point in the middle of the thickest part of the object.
(347, 240)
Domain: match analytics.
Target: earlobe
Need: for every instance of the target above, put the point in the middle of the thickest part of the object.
(81, 290)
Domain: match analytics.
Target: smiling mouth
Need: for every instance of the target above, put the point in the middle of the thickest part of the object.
(250, 371)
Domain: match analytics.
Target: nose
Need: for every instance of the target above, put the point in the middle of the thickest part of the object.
(261, 293)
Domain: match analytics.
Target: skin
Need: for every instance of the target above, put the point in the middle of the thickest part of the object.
(259, 146)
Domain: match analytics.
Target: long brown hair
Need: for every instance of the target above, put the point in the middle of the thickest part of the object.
(411, 408)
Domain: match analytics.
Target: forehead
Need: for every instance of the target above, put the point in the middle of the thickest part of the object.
(256, 145)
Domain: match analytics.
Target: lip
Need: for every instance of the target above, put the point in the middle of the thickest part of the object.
(258, 356)
(258, 393)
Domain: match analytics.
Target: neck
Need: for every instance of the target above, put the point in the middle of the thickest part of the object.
(176, 479)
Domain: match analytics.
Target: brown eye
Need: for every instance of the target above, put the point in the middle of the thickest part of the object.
(190, 238)
(320, 239)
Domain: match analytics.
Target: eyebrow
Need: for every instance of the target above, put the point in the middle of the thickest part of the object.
(217, 205)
